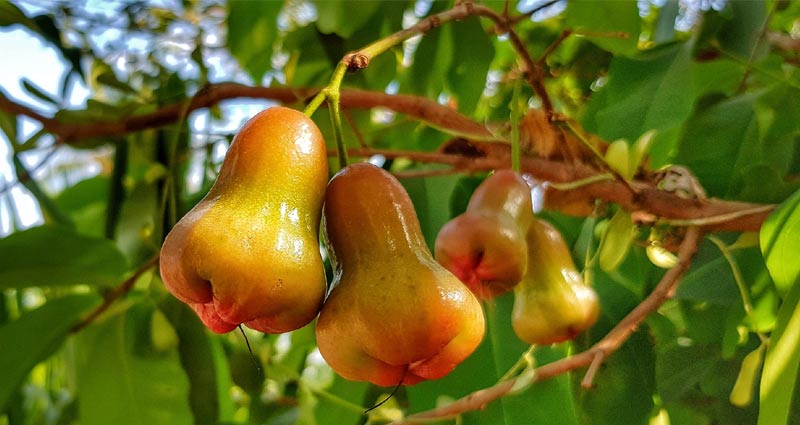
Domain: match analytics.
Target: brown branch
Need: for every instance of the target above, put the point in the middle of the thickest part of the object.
(711, 214)
(11, 107)
(115, 294)
(554, 45)
(784, 42)
(591, 357)
(418, 107)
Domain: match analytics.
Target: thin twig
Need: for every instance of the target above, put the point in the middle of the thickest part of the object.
(115, 294)
(554, 45)
(722, 218)
(28, 174)
(519, 18)
(603, 348)
(588, 379)
(533, 70)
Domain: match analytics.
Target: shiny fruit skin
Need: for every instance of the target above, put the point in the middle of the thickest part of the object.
(507, 192)
(485, 247)
(249, 251)
(486, 252)
(393, 313)
(551, 303)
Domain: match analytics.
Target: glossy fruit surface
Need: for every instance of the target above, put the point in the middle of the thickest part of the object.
(551, 303)
(249, 251)
(485, 247)
(394, 313)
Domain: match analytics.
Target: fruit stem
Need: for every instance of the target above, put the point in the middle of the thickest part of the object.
(394, 391)
(516, 113)
(332, 94)
(336, 116)
(249, 349)
(747, 303)
(315, 103)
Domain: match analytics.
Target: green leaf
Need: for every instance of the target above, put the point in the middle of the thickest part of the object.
(780, 244)
(549, 402)
(462, 192)
(35, 336)
(309, 64)
(343, 17)
(139, 227)
(50, 211)
(108, 78)
(599, 17)
(8, 124)
(743, 34)
(643, 93)
(252, 30)
(122, 379)
(624, 385)
(327, 411)
(779, 377)
(778, 115)
(427, 195)
(710, 282)
(201, 362)
(38, 92)
(57, 256)
(10, 15)
(665, 26)
(432, 60)
(717, 76)
(85, 203)
(467, 75)
(680, 369)
(713, 141)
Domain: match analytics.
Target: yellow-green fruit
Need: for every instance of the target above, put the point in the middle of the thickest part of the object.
(551, 303)
(249, 251)
(485, 247)
(394, 313)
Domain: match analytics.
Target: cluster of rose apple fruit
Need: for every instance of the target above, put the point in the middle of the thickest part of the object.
(248, 253)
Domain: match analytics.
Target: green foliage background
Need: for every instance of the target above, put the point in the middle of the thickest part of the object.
(722, 97)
